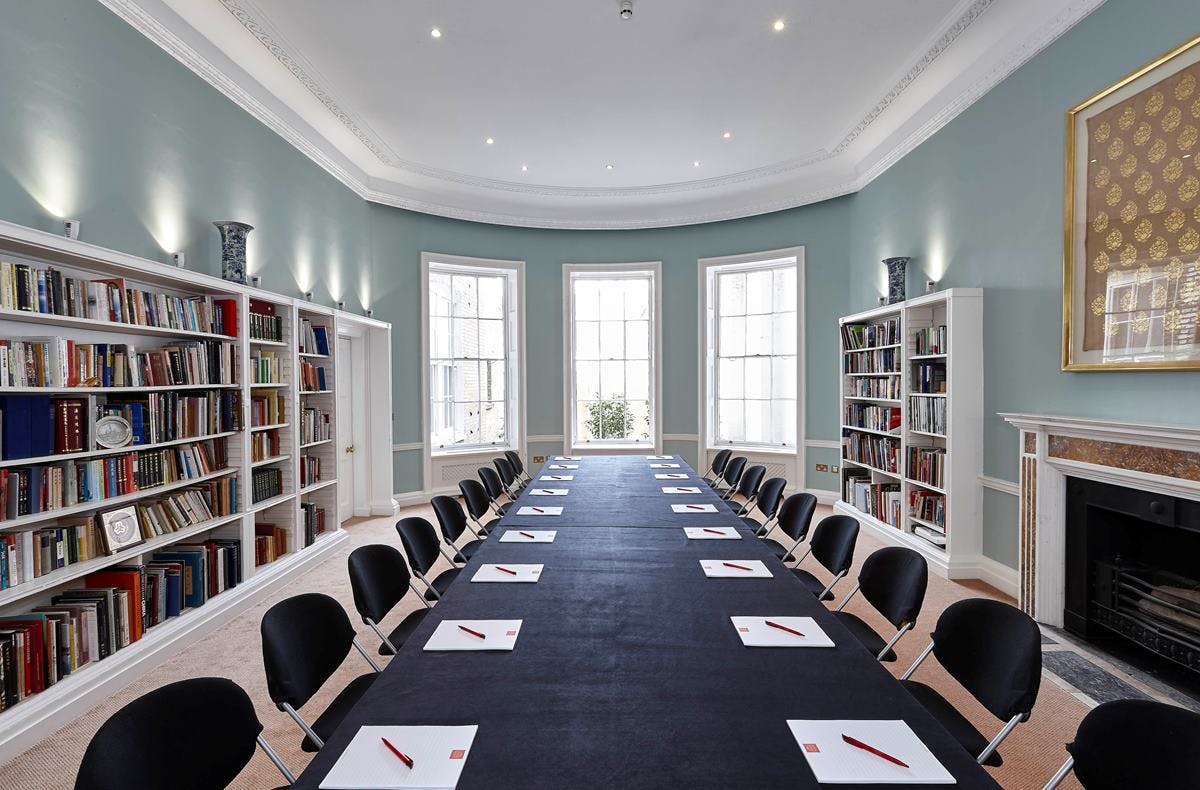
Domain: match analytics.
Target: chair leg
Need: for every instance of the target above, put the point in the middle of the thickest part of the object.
(846, 600)
(800, 559)
(382, 636)
(366, 655)
(924, 654)
(420, 595)
(429, 587)
(894, 640)
(1000, 736)
(273, 757)
(296, 717)
(1056, 780)
(453, 561)
(829, 587)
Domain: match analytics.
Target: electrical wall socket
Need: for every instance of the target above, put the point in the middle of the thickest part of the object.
(539, 459)
(835, 469)
(822, 467)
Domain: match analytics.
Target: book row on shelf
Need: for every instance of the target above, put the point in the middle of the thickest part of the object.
(885, 388)
(267, 408)
(927, 465)
(59, 362)
(879, 452)
(264, 445)
(928, 506)
(35, 425)
(880, 360)
(47, 487)
(931, 340)
(883, 333)
(310, 470)
(315, 425)
(266, 367)
(875, 418)
(314, 338)
(270, 543)
(50, 292)
(313, 516)
(263, 323)
(927, 415)
(929, 377)
(265, 483)
(881, 500)
(312, 377)
(113, 609)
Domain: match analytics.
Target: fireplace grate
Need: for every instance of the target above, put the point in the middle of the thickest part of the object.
(1158, 610)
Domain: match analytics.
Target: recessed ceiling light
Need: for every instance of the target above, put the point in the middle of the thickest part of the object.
(696, 163)
(436, 32)
(608, 167)
(727, 135)
(524, 168)
(489, 141)
(779, 25)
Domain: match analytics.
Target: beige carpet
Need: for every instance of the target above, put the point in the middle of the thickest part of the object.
(1031, 754)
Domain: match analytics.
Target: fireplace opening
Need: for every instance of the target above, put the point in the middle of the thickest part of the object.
(1133, 577)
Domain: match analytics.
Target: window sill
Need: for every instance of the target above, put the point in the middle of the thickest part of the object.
(498, 449)
(751, 449)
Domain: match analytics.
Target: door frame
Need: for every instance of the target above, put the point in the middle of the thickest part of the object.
(359, 498)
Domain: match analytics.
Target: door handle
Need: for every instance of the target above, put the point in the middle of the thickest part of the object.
(350, 449)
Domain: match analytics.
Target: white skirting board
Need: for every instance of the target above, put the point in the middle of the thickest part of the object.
(41, 714)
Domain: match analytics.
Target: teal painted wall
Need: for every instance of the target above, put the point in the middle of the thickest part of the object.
(983, 199)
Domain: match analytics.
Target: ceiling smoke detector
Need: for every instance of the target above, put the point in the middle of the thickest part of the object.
(625, 9)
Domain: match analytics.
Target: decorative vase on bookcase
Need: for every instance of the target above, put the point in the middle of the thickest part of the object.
(895, 272)
(233, 250)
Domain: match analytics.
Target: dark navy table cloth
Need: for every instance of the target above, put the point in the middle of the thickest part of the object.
(628, 672)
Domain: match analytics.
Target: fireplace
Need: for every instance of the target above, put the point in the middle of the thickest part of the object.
(1133, 571)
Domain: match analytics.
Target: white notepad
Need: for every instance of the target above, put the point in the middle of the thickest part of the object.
(520, 573)
(557, 477)
(438, 755)
(659, 457)
(539, 510)
(568, 458)
(694, 508)
(497, 635)
(833, 761)
(564, 466)
(547, 492)
(528, 536)
(711, 533)
(755, 632)
(723, 569)
(681, 489)
(664, 466)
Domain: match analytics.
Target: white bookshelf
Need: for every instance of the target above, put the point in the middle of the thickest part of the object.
(41, 713)
(897, 386)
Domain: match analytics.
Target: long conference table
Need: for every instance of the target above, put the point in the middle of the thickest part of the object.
(627, 671)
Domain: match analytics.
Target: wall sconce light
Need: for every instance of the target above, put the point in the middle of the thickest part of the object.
(308, 296)
(882, 301)
(256, 280)
(71, 229)
(930, 285)
(341, 305)
(369, 313)
(179, 259)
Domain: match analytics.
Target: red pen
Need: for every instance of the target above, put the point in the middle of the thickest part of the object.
(739, 567)
(783, 628)
(714, 531)
(873, 750)
(404, 758)
(528, 535)
(506, 570)
(538, 510)
(473, 632)
(696, 507)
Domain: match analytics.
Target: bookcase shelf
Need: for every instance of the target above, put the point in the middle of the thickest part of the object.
(113, 390)
(256, 428)
(948, 328)
(268, 461)
(86, 454)
(94, 324)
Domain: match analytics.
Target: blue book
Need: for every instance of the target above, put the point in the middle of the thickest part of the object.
(35, 490)
(41, 425)
(110, 474)
(17, 437)
(174, 594)
(194, 559)
(136, 423)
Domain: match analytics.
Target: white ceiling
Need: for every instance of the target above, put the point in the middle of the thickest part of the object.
(566, 87)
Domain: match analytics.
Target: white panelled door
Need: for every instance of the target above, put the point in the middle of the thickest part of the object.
(345, 424)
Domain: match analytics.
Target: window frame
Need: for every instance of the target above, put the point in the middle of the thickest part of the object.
(708, 268)
(601, 271)
(514, 392)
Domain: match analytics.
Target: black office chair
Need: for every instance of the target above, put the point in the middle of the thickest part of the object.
(1134, 743)
(508, 476)
(494, 488)
(994, 651)
(713, 473)
(379, 579)
(748, 488)
(730, 475)
(196, 734)
(770, 494)
(893, 581)
(305, 639)
(422, 547)
(453, 522)
(518, 465)
(832, 545)
(478, 505)
(795, 517)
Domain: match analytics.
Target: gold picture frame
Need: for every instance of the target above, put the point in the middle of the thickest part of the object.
(1131, 253)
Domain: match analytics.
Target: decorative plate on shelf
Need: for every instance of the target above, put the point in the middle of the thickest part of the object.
(120, 529)
(113, 431)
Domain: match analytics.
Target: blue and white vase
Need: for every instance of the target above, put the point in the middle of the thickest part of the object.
(233, 250)
(895, 272)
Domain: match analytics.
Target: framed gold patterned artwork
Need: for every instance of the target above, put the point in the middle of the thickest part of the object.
(1131, 279)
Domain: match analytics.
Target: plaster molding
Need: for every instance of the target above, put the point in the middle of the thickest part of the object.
(997, 484)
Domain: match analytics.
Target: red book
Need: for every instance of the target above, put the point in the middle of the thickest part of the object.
(125, 580)
(228, 308)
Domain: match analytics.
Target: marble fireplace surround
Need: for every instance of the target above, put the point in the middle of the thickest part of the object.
(1158, 458)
